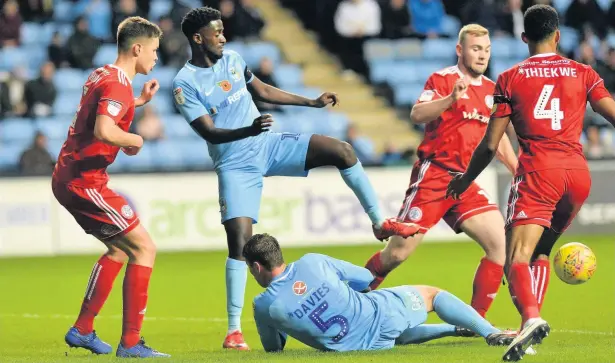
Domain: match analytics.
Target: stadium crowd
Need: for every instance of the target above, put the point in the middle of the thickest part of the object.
(32, 91)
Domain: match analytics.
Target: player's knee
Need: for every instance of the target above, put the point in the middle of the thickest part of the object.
(399, 255)
(521, 253)
(346, 155)
(117, 255)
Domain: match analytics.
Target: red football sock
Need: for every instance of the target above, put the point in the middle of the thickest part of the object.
(99, 286)
(520, 285)
(374, 265)
(486, 285)
(541, 271)
(136, 283)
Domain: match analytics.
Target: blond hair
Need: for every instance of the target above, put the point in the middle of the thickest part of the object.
(472, 29)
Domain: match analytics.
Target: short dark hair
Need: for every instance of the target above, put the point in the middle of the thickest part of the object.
(264, 249)
(198, 18)
(135, 27)
(540, 21)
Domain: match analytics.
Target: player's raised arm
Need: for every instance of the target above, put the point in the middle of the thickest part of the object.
(272, 339)
(431, 104)
(358, 278)
(266, 93)
(114, 102)
(506, 154)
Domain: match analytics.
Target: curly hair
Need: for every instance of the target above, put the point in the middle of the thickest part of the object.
(540, 21)
(198, 18)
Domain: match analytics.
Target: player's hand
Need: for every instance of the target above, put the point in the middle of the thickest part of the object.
(134, 150)
(327, 98)
(457, 186)
(261, 124)
(460, 88)
(149, 90)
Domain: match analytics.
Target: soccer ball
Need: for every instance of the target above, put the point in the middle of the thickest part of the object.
(574, 263)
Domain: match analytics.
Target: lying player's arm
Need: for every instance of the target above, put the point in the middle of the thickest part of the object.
(108, 132)
(272, 339)
(266, 93)
(506, 154)
(425, 112)
(358, 278)
(205, 127)
(606, 108)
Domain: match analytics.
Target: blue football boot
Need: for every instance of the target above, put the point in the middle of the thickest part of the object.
(140, 350)
(90, 342)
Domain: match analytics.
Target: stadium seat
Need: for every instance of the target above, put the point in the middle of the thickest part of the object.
(402, 73)
(451, 26)
(611, 40)
(288, 75)
(159, 8)
(379, 49)
(36, 56)
(164, 75)
(604, 4)
(254, 52)
(12, 57)
(561, 5)
(176, 127)
(163, 103)
(63, 11)
(168, 154)
(69, 79)
(498, 67)
(10, 154)
(569, 39)
(338, 124)
(439, 49)
(379, 70)
(16, 129)
(54, 127)
(66, 103)
(106, 54)
(407, 94)
(196, 155)
(54, 146)
(144, 161)
(30, 33)
(502, 47)
(235, 46)
(408, 49)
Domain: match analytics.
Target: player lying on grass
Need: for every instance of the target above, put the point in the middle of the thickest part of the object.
(545, 98)
(214, 91)
(326, 304)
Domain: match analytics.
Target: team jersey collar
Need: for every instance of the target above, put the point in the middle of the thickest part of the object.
(284, 274)
(121, 71)
(474, 82)
(543, 55)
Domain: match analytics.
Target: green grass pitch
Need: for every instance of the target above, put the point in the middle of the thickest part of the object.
(186, 309)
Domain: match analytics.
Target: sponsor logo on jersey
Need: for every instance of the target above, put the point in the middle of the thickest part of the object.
(114, 108)
(474, 115)
(236, 75)
(178, 93)
(108, 229)
(415, 214)
(299, 288)
(127, 212)
(225, 85)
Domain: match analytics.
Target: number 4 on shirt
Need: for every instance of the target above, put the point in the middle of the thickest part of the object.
(553, 113)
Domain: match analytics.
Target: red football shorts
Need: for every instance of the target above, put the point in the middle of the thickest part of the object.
(550, 198)
(425, 203)
(99, 211)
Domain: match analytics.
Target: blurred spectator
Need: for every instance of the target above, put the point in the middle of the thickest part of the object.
(124, 9)
(37, 10)
(41, 93)
(483, 12)
(173, 45)
(81, 46)
(56, 51)
(427, 16)
(606, 70)
(149, 125)
(391, 155)
(143, 5)
(247, 20)
(510, 19)
(36, 160)
(265, 74)
(10, 24)
(178, 11)
(13, 88)
(227, 10)
(586, 12)
(528, 3)
(355, 21)
(363, 146)
(586, 55)
(395, 19)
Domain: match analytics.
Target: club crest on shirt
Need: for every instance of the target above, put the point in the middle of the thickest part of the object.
(236, 75)
(225, 85)
(114, 108)
(489, 101)
(178, 93)
(299, 288)
(127, 212)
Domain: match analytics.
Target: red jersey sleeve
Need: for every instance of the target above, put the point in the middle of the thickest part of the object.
(502, 98)
(595, 86)
(435, 88)
(115, 99)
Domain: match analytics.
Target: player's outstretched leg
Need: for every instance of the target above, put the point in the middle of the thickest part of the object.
(327, 151)
(82, 334)
(394, 253)
(540, 266)
(141, 251)
(238, 231)
(488, 230)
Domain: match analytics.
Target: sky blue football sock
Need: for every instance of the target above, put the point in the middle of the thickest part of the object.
(236, 277)
(454, 311)
(357, 180)
(425, 332)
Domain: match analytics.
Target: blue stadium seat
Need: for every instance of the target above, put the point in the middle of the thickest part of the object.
(158, 8)
(65, 30)
(63, 11)
(164, 75)
(378, 49)
(12, 57)
(439, 49)
(407, 94)
(605, 4)
(254, 52)
(379, 70)
(501, 65)
(54, 127)
(424, 69)
(54, 146)
(16, 129)
(451, 26)
(502, 47)
(163, 103)
(611, 40)
(30, 33)
(288, 75)
(69, 79)
(569, 39)
(402, 73)
(36, 56)
(338, 124)
(106, 54)
(176, 127)
(66, 103)
(236, 46)
(144, 161)
(168, 154)
(196, 155)
(10, 154)
(561, 5)
(408, 49)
